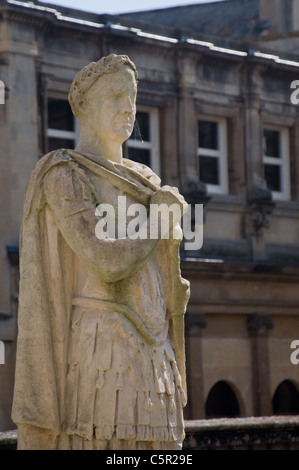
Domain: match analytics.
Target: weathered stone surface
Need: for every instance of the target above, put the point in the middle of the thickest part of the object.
(100, 361)
(273, 432)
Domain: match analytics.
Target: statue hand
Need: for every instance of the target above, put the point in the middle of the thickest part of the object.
(169, 195)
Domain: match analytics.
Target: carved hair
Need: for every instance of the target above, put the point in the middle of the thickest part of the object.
(90, 73)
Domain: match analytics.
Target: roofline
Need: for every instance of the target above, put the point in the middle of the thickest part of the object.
(199, 5)
(94, 22)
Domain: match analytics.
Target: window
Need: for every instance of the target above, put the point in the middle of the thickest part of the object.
(277, 162)
(63, 127)
(143, 146)
(212, 152)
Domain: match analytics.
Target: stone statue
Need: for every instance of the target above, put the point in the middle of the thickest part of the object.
(100, 353)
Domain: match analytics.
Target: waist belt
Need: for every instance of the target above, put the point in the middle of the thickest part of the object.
(128, 313)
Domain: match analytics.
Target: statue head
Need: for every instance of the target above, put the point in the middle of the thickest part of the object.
(89, 75)
(103, 97)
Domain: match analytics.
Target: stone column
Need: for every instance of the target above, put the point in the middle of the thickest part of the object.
(194, 326)
(187, 119)
(254, 132)
(258, 329)
(259, 197)
(170, 168)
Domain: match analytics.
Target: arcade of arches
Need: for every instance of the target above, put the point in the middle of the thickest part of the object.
(222, 401)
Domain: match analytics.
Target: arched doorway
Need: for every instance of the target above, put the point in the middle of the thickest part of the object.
(222, 402)
(286, 399)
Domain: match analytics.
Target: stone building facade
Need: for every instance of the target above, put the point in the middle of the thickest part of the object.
(216, 119)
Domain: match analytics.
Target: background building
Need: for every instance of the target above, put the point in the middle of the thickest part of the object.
(215, 118)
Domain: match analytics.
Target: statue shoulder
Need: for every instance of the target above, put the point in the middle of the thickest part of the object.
(49, 160)
(65, 180)
(59, 156)
(143, 170)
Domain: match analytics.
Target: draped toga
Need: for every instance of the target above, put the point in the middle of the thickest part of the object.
(96, 360)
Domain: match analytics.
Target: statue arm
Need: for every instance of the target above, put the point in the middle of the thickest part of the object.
(73, 207)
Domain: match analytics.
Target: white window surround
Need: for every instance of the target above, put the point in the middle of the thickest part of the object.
(154, 144)
(220, 153)
(69, 135)
(283, 163)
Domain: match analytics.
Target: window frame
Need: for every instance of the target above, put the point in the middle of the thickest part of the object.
(154, 144)
(60, 133)
(283, 162)
(221, 154)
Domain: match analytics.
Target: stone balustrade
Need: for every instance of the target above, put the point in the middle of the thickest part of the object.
(254, 433)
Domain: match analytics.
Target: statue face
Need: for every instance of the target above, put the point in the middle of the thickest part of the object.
(111, 106)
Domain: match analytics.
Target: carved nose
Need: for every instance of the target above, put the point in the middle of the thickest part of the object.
(126, 105)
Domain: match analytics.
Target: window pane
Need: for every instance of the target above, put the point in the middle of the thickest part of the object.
(60, 115)
(272, 143)
(209, 171)
(142, 127)
(208, 135)
(272, 176)
(55, 143)
(140, 155)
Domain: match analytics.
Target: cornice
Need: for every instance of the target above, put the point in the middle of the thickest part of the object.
(240, 269)
(48, 20)
(67, 21)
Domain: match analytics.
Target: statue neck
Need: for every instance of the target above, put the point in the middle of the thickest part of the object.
(88, 145)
